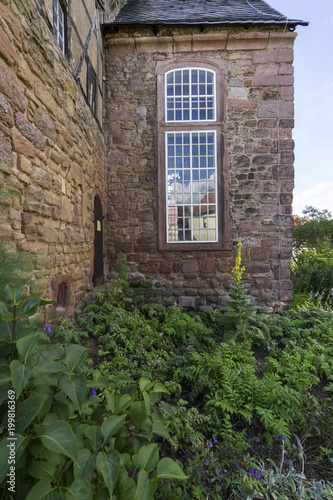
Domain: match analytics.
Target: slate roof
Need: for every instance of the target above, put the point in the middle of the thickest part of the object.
(201, 12)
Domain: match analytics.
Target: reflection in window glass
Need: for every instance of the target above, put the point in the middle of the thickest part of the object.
(191, 186)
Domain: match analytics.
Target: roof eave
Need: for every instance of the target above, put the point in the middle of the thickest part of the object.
(290, 23)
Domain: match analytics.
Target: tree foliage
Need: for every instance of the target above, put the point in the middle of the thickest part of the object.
(314, 229)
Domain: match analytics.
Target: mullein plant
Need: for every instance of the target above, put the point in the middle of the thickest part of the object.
(240, 310)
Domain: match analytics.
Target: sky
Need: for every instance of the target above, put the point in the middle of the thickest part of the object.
(313, 132)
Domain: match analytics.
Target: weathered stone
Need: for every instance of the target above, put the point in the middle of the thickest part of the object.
(45, 124)
(7, 49)
(11, 88)
(187, 302)
(6, 113)
(6, 152)
(190, 267)
(29, 132)
(208, 266)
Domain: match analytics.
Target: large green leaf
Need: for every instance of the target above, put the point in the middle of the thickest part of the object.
(80, 489)
(160, 429)
(13, 293)
(111, 425)
(145, 384)
(28, 410)
(75, 387)
(10, 446)
(109, 464)
(26, 345)
(169, 469)
(30, 307)
(148, 457)
(4, 375)
(126, 487)
(94, 434)
(75, 356)
(168, 409)
(60, 438)
(86, 463)
(50, 366)
(145, 487)
(158, 387)
(20, 373)
(42, 470)
(139, 413)
(118, 404)
(40, 490)
(4, 314)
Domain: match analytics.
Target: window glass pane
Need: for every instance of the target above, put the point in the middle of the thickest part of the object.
(191, 189)
(187, 85)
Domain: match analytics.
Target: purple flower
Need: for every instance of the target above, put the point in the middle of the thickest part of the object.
(259, 474)
(282, 438)
(93, 392)
(202, 473)
(215, 441)
(210, 445)
(258, 440)
(211, 457)
(47, 328)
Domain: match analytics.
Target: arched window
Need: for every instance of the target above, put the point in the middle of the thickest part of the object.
(190, 180)
(190, 95)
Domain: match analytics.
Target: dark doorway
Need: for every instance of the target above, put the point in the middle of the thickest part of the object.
(98, 241)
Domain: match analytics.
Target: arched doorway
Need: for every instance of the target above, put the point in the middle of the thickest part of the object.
(98, 240)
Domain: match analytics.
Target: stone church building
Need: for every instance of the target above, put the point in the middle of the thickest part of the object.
(156, 129)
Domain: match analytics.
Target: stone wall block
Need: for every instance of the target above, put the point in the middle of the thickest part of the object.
(149, 45)
(23, 145)
(259, 254)
(247, 41)
(7, 49)
(208, 266)
(190, 267)
(120, 46)
(267, 109)
(11, 88)
(273, 80)
(6, 112)
(209, 42)
(182, 43)
(240, 161)
(30, 132)
(47, 234)
(284, 55)
(45, 124)
(264, 159)
(6, 153)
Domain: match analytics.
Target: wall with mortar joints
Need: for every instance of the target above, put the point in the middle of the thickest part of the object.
(51, 152)
(250, 132)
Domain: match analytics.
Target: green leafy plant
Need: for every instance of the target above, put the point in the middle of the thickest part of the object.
(240, 311)
(74, 437)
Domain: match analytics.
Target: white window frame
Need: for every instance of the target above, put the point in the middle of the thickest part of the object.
(190, 95)
(195, 194)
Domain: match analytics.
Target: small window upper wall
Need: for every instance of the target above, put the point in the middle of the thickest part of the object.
(75, 25)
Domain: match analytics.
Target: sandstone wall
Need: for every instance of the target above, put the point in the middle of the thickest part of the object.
(51, 153)
(258, 160)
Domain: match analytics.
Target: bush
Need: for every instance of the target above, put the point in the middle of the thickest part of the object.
(66, 436)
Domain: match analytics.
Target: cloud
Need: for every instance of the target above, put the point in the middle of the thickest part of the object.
(319, 196)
